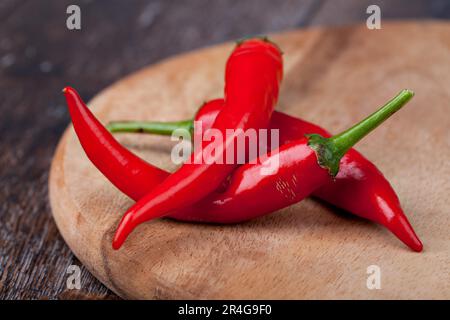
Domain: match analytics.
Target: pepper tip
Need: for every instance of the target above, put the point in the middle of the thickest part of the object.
(117, 241)
(68, 89)
(403, 230)
(115, 245)
(417, 246)
(126, 225)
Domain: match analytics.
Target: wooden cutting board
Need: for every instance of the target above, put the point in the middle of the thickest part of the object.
(334, 77)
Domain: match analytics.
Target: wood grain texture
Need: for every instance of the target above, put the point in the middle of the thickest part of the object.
(38, 56)
(306, 250)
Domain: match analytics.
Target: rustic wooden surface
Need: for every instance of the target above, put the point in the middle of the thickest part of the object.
(38, 56)
(304, 251)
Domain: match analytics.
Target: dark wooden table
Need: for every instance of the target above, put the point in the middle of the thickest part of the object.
(39, 55)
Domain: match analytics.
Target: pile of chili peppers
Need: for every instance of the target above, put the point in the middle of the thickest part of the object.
(311, 161)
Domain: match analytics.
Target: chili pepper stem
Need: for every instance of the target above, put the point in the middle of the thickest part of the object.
(330, 150)
(347, 139)
(160, 128)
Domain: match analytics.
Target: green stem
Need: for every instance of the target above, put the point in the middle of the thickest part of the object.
(330, 151)
(160, 128)
(347, 139)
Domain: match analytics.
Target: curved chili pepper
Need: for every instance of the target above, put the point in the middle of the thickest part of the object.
(129, 173)
(359, 187)
(244, 197)
(363, 191)
(252, 77)
(304, 166)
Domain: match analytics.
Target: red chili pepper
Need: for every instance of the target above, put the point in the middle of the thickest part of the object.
(359, 187)
(305, 165)
(252, 77)
(127, 172)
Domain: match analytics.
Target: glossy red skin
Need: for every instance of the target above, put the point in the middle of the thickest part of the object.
(362, 189)
(245, 197)
(252, 78)
(129, 173)
(357, 188)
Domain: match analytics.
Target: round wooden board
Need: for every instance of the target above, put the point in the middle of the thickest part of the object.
(333, 77)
